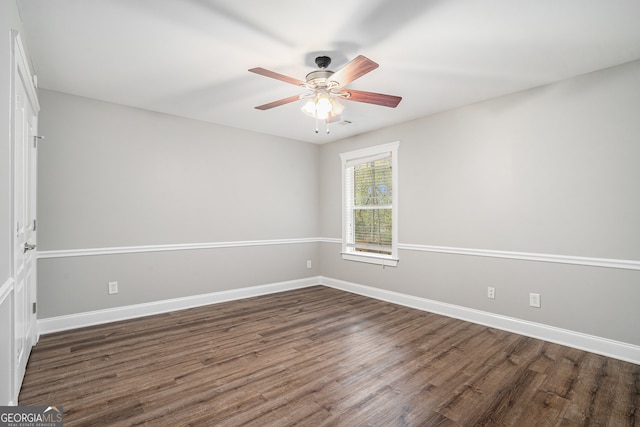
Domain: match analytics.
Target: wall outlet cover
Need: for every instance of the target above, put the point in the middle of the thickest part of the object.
(534, 300)
(113, 288)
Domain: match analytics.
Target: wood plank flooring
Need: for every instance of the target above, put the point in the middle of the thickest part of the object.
(322, 357)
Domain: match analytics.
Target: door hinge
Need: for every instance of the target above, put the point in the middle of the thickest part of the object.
(35, 225)
(35, 306)
(35, 140)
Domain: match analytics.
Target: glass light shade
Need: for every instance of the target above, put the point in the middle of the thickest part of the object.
(309, 107)
(323, 107)
(336, 107)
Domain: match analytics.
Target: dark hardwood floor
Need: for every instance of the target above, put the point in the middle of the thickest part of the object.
(319, 356)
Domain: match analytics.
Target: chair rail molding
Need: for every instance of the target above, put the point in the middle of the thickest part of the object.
(523, 256)
(65, 253)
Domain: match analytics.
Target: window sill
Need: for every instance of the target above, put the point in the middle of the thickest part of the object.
(385, 261)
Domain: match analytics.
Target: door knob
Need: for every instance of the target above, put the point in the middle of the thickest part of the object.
(29, 247)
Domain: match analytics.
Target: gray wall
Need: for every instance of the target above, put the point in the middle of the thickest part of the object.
(110, 175)
(551, 170)
(554, 170)
(114, 176)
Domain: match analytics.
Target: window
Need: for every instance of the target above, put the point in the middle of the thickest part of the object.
(370, 204)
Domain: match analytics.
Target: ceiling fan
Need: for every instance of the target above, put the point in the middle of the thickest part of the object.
(327, 87)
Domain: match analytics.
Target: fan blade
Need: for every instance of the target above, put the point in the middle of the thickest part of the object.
(372, 98)
(278, 103)
(277, 76)
(357, 67)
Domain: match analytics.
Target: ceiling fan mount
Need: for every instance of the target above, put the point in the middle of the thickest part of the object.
(323, 61)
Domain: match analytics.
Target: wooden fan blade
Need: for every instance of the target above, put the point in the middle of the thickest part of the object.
(372, 98)
(277, 76)
(357, 67)
(278, 102)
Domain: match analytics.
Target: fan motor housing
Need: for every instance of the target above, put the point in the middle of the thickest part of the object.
(319, 78)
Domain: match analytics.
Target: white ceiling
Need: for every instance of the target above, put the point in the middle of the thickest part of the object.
(190, 57)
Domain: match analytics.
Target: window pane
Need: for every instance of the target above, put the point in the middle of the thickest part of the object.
(373, 230)
(372, 182)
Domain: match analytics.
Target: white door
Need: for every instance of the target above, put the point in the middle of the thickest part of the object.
(24, 130)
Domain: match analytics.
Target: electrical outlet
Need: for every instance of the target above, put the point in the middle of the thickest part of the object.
(113, 288)
(491, 292)
(308, 263)
(534, 300)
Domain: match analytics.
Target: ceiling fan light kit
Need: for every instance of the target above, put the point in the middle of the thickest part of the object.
(322, 106)
(326, 87)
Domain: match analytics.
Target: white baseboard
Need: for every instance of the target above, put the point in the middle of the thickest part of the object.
(80, 320)
(593, 344)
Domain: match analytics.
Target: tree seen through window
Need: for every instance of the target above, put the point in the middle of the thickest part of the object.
(373, 206)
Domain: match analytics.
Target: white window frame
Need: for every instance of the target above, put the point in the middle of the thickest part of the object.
(348, 253)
